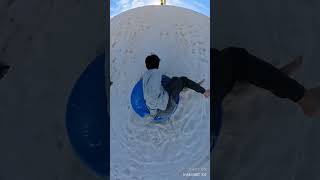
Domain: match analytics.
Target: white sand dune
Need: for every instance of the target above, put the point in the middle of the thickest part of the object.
(181, 38)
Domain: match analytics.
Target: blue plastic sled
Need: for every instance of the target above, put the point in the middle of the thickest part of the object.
(87, 119)
(139, 104)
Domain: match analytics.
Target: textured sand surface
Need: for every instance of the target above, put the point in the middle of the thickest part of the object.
(180, 37)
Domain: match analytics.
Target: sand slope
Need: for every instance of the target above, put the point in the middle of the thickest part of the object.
(180, 38)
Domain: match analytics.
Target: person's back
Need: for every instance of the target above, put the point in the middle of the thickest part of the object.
(154, 94)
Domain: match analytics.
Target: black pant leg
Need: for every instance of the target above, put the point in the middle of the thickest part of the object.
(176, 85)
(249, 68)
(187, 83)
(235, 64)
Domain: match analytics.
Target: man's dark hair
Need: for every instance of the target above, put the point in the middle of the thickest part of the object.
(152, 62)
